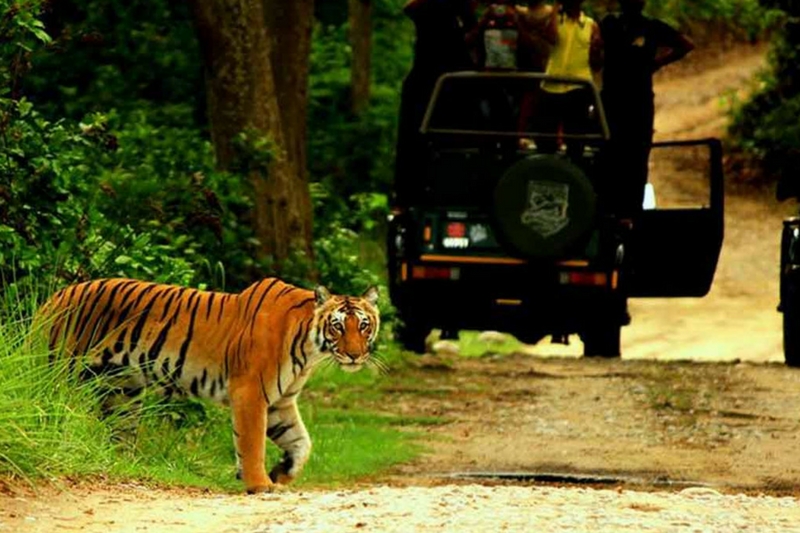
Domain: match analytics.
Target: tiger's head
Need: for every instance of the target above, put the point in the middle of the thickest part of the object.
(347, 326)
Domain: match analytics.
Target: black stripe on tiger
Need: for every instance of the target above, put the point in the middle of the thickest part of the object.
(176, 374)
(172, 294)
(222, 306)
(110, 316)
(85, 314)
(165, 367)
(301, 304)
(192, 295)
(264, 389)
(299, 334)
(78, 306)
(136, 332)
(252, 294)
(145, 292)
(278, 378)
(161, 338)
(258, 308)
(278, 430)
(287, 289)
(119, 346)
(209, 305)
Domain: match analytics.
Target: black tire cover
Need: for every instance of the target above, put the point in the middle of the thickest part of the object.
(542, 205)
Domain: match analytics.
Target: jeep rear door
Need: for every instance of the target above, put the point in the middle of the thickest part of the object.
(675, 246)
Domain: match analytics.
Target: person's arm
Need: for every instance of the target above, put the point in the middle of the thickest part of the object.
(672, 45)
(550, 32)
(596, 49)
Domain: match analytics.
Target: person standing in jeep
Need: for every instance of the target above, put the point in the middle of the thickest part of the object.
(577, 52)
(636, 46)
(441, 29)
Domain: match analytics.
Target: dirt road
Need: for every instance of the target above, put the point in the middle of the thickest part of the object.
(662, 445)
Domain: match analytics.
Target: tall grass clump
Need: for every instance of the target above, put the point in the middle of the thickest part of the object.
(48, 419)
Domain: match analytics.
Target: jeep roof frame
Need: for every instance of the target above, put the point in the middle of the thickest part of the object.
(426, 129)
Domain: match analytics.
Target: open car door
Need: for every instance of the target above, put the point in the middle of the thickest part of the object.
(675, 246)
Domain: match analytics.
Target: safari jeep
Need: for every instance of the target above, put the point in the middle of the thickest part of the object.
(507, 226)
(790, 290)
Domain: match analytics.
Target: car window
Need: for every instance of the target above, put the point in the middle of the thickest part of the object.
(515, 104)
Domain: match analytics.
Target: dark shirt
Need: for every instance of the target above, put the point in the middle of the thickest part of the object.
(441, 28)
(631, 44)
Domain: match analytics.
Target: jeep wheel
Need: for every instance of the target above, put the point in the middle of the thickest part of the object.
(791, 330)
(602, 341)
(411, 334)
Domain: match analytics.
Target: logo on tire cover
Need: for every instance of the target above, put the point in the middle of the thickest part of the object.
(546, 213)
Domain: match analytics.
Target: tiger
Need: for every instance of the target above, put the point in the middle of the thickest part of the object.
(252, 351)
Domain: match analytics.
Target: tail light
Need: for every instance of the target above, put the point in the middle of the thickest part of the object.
(597, 279)
(430, 272)
(456, 230)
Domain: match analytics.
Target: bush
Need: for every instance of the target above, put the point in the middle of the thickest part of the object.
(746, 19)
(51, 217)
(765, 128)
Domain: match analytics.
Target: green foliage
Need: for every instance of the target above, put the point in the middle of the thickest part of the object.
(48, 420)
(52, 212)
(133, 190)
(354, 154)
(165, 178)
(117, 54)
(766, 126)
(746, 18)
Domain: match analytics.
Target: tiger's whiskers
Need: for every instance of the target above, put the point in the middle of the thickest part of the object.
(380, 365)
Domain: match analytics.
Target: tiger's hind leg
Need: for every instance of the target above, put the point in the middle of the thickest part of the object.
(286, 429)
(119, 392)
(123, 405)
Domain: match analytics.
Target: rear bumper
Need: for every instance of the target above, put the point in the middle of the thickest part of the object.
(508, 294)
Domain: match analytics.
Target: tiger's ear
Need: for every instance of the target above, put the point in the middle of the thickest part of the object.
(371, 295)
(321, 294)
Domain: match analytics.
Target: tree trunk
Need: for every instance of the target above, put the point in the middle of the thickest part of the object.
(289, 24)
(243, 97)
(360, 18)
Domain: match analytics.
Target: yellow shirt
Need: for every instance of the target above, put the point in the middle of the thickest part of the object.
(570, 55)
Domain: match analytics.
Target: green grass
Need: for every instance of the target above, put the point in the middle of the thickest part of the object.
(471, 346)
(50, 424)
(347, 445)
(48, 420)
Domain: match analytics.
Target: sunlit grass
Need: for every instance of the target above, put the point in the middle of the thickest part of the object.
(48, 419)
(470, 345)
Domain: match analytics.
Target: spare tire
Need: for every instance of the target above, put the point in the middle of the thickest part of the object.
(543, 205)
